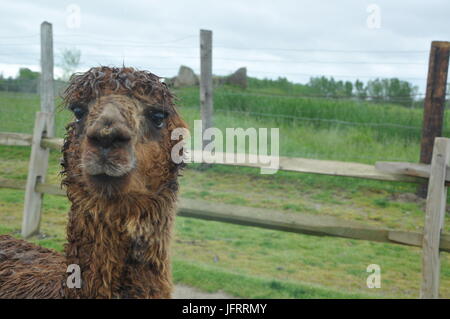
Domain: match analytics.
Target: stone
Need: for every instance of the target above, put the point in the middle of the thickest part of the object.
(185, 77)
(238, 78)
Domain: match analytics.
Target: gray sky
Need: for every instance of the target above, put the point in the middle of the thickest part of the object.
(295, 39)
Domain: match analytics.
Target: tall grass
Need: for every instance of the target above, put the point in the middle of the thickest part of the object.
(300, 139)
(309, 127)
(387, 120)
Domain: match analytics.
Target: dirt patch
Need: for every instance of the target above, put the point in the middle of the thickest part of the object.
(186, 292)
(408, 198)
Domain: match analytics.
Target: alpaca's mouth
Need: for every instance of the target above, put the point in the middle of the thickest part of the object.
(108, 174)
(100, 166)
(108, 185)
(107, 179)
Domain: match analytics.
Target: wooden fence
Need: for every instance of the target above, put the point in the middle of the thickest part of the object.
(437, 174)
(431, 240)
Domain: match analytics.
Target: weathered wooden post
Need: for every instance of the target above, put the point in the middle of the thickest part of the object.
(206, 83)
(433, 115)
(47, 85)
(44, 126)
(434, 218)
(37, 170)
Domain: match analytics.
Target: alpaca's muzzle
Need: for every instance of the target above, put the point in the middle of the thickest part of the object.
(109, 149)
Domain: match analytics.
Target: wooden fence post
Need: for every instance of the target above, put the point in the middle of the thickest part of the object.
(47, 89)
(206, 84)
(433, 115)
(37, 170)
(434, 218)
(44, 126)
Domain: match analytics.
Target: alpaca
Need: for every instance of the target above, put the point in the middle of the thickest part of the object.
(122, 184)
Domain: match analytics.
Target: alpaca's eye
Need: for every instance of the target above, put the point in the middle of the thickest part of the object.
(79, 112)
(158, 118)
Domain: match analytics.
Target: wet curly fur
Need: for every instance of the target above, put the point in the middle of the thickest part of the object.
(118, 234)
(29, 271)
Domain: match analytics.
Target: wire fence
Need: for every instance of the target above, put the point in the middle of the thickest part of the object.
(349, 116)
(91, 42)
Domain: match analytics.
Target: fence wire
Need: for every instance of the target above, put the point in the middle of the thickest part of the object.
(311, 113)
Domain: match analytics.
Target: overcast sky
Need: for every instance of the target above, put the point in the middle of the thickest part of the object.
(346, 39)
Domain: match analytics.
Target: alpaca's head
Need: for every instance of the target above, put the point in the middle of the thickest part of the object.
(120, 139)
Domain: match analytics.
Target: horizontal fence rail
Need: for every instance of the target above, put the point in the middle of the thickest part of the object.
(293, 164)
(269, 219)
(274, 220)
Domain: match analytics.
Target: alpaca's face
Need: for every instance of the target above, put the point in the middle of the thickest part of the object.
(125, 144)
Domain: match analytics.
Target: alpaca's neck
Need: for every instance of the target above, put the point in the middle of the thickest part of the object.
(121, 247)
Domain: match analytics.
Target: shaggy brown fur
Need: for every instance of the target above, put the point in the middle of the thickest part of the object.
(29, 271)
(122, 184)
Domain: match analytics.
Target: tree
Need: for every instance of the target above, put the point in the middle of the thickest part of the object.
(70, 60)
(27, 74)
(392, 91)
(330, 87)
(348, 87)
(375, 90)
(323, 86)
(361, 90)
(26, 81)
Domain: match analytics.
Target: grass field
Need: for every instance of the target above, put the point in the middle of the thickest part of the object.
(252, 262)
(363, 142)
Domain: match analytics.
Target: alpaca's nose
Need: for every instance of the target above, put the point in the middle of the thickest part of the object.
(107, 136)
(109, 129)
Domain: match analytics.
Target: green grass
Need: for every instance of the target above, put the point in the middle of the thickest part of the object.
(263, 261)
(332, 143)
(212, 279)
(319, 128)
(251, 262)
(301, 138)
(320, 112)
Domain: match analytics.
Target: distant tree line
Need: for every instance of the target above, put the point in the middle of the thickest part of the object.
(26, 81)
(393, 91)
